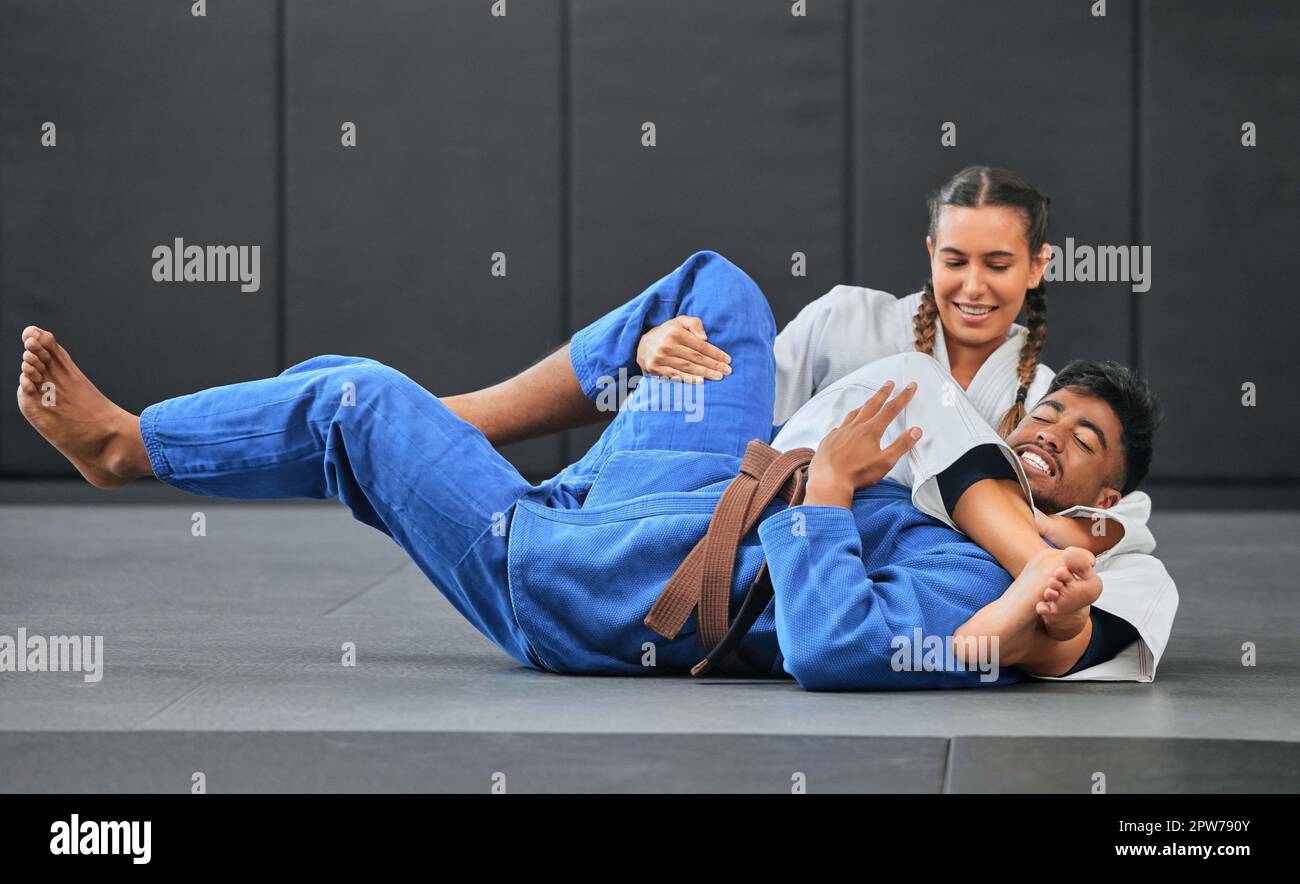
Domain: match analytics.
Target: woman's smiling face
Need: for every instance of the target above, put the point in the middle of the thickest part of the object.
(981, 268)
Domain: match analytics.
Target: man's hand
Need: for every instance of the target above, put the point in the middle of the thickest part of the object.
(1063, 531)
(679, 349)
(850, 457)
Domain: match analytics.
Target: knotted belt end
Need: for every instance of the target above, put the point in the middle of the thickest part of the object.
(703, 580)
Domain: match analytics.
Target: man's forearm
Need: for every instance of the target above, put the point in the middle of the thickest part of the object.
(542, 399)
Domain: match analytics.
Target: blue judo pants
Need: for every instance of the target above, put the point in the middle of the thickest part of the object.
(353, 428)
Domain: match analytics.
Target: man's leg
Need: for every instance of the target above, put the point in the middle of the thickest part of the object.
(333, 426)
(548, 396)
(100, 439)
(542, 399)
(661, 414)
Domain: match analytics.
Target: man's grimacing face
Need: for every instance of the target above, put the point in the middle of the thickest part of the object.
(1069, 446)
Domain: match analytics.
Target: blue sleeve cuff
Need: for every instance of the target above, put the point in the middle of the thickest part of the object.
(580, 359)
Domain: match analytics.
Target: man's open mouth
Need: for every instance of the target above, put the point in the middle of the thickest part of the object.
(1036, 460)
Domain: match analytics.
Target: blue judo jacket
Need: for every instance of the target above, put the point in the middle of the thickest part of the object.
(862, 597)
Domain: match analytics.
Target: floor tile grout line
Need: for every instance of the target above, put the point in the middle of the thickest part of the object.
(221, 668)
(393, 573)
(945, 787)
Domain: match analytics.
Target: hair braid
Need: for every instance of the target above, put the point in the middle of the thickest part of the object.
(1036, 323)
(925, 321)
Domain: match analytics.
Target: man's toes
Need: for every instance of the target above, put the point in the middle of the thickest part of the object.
(32, 373)
(32, 361)
(39, 341)
(25, 385)
(37, 334)
(32, 346)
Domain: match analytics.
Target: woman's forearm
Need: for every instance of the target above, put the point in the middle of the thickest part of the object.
(1095, 534)
(994, 514)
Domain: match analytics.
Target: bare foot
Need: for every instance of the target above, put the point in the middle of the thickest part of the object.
(1067, 601)
(100, 439)
(1013, 618)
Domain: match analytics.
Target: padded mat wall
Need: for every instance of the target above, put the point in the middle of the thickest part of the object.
(523, 135)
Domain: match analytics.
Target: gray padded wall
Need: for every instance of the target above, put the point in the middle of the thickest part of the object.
(522, 134)
(748, 106)
(390, 242)
(1042, 88)
(165, 128)
(1222, 222)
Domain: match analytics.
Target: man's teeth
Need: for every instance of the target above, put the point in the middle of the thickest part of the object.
(972, 310)
(1035, 461)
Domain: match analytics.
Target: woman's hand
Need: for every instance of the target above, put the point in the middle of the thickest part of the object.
(679, 349)
(850, 457)
(1063, 531)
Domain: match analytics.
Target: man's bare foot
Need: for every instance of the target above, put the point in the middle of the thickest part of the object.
(1067, 600)
(100, 439)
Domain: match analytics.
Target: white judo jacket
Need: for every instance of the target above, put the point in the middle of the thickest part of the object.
(823, 372)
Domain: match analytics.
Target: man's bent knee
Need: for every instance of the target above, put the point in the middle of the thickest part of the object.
(722, 291)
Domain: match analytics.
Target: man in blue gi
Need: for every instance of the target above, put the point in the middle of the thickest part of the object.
(561, 574)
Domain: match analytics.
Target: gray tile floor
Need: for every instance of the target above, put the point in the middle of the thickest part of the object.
(222, 652)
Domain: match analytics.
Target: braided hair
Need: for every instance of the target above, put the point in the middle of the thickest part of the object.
(973, 187)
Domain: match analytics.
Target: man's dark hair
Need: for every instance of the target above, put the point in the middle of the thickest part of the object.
(1134, 404)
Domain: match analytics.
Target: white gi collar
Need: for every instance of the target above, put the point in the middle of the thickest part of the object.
(988, 389)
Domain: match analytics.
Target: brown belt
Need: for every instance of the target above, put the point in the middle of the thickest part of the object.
(704, 577)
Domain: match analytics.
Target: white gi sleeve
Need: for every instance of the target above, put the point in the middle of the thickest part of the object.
(845, 328)
(801, 361)
(1131, 513)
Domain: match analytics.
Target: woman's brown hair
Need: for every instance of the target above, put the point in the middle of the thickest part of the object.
(977, 186)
